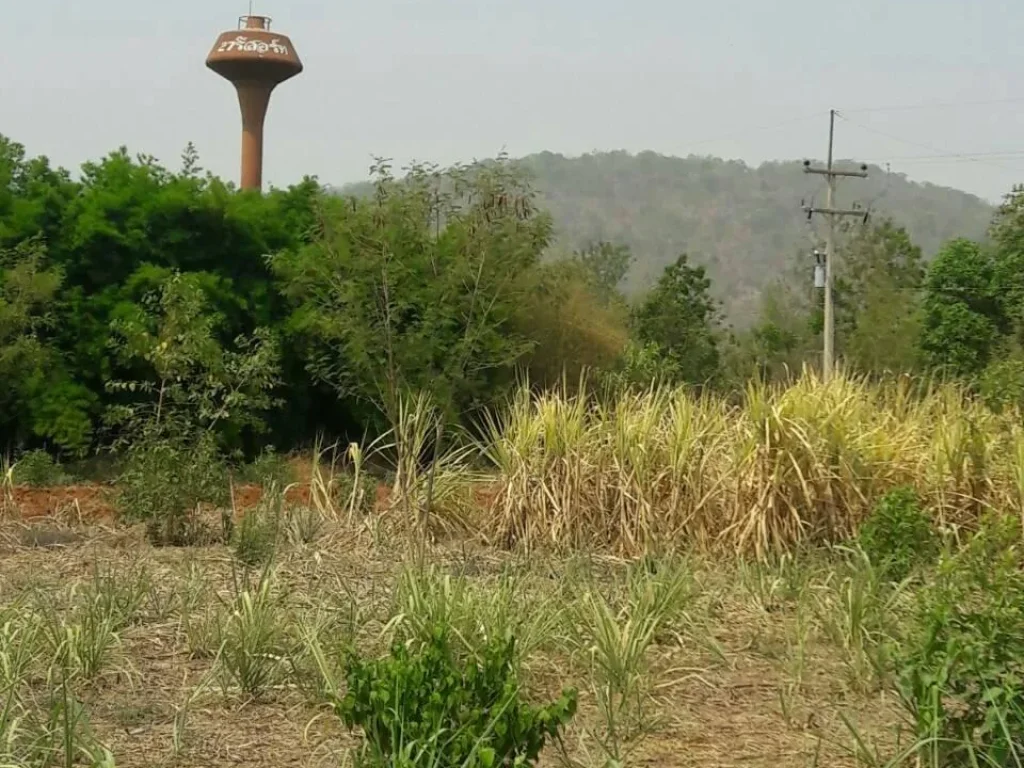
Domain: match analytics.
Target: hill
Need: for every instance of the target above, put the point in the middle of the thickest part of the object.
(743, 223)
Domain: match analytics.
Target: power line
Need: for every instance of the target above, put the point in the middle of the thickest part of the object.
(952, 156)
(931, 148)
(939, 105)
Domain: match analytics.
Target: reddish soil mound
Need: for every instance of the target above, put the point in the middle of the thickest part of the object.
(95, 502)
(91, 502)
(248, 496)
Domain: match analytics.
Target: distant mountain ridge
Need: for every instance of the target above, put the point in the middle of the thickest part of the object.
(744, 223)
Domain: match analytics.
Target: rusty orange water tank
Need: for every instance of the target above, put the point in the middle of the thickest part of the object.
(255, 60)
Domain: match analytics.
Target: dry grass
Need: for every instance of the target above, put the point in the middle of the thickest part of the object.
(785, 466)
(709, 651)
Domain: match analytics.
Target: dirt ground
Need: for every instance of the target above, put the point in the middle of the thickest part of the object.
(736, 692)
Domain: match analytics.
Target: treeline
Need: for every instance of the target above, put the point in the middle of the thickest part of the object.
(961, 315)
(136, 297)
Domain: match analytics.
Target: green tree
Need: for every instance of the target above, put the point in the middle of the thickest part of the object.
(878, 317)
(963, 318)
(782, 339)
(607, 264)
(189, 391)
(1008, 238)
(417, 288)
(37, 397)
(573, 325)
(188, 383)
(680, 316)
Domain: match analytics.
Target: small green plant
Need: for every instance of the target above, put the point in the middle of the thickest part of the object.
(430, 705)
(269, 468)
(617, 639)
(39, 469)
(961, 669)
(165, 483)
(255, 538)
(302, 524)
(898, 536)
(254, 641)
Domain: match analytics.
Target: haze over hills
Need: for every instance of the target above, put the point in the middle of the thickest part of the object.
(743, 223)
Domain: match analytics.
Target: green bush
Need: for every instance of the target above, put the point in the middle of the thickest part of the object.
(269, 468)
(961, 668)
(164, 483)
(898, 536)
(431, 706)
(1001, 384)
(38, 468)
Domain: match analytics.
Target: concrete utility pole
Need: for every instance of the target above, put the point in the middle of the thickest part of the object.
(830, 213)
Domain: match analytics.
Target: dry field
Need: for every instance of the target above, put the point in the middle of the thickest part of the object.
(748, 664)
(663, 555)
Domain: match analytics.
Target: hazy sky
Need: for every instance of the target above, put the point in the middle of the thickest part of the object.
(448, 80)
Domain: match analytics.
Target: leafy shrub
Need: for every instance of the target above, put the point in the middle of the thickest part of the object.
(1001, 384)
(269, 468)
(898, 535)
(961, 670)
(163, 484)
(642, 365)
(38, 469)
(430, 706)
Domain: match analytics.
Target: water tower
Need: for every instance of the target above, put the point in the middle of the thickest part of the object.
(255, 61)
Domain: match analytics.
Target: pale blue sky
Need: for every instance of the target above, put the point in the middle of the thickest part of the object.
(448, 80)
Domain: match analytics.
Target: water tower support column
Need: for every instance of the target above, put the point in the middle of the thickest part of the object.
(254, 99)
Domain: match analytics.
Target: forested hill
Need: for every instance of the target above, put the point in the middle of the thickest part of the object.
(744, 223)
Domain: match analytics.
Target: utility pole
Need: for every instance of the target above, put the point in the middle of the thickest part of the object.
(830, 213)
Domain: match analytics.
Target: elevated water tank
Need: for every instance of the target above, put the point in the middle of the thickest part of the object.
(255, 60)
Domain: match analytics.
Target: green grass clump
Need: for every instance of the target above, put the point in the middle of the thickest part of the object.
(898, 536)
(255, 644)
(430, 705)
